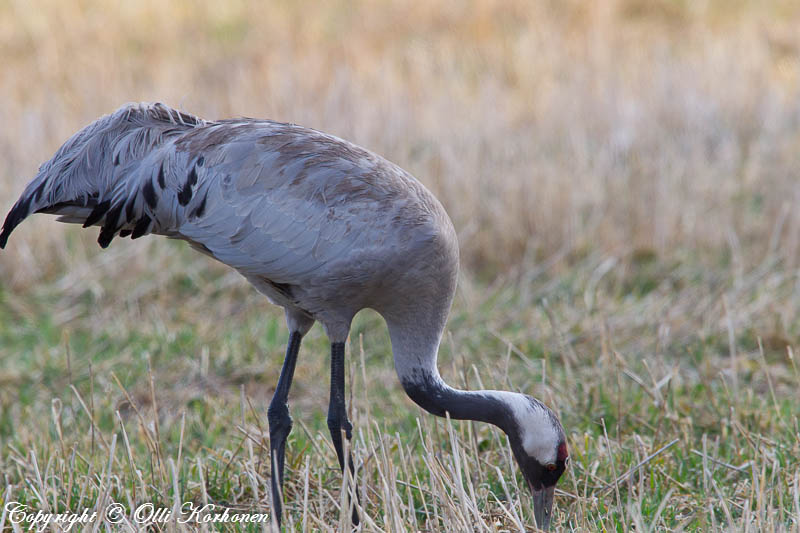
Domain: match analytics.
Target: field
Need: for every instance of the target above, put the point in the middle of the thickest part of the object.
(624, 177)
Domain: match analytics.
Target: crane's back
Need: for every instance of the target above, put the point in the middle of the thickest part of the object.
(314, 221)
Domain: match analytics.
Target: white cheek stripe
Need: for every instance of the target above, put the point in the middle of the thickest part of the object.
(539, 438)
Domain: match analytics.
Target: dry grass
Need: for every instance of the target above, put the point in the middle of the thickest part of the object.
(625, 173)
(623, 125)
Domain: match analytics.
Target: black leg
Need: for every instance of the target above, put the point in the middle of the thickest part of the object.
(337, 415)
(280, 423)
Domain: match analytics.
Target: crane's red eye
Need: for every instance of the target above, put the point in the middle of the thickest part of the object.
(550, 466)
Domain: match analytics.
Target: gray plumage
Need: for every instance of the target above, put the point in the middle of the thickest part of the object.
(288, 207)
(322, 227)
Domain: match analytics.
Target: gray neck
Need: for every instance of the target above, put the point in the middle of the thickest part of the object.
(415, 345)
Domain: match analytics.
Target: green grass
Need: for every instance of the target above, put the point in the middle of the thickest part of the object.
(623, 179)
(635, 373)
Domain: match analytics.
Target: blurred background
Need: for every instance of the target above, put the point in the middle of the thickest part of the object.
(547, 129)
(624, 177)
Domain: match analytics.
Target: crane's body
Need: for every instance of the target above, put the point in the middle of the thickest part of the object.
(322, 227)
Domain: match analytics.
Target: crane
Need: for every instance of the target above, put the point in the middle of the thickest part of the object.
(320, 226)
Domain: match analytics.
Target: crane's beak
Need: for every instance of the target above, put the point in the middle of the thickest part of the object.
(543, 506)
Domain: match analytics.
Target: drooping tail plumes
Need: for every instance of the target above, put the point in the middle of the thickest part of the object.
(93, 178)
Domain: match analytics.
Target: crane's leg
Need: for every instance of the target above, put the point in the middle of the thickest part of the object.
(280, 423)
(337, 415)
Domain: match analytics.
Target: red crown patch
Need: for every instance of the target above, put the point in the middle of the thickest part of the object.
(562, 452)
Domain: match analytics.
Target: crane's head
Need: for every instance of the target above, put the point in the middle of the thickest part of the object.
(539, 445)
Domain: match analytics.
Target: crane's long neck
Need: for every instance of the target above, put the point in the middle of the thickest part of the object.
(415, 344)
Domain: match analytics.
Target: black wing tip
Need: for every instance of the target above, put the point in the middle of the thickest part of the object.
(8, 227)
(111, 226)
(104, 240)
(149, 193)
(97, 213)
(185, 194)
(141, 227)
(17, 214)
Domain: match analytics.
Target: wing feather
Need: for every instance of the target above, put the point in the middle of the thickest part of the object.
(275, 201)
(271, 217)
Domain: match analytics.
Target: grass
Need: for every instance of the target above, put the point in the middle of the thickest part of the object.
(628, 373)
(623, 179)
